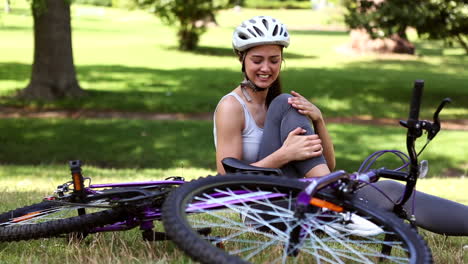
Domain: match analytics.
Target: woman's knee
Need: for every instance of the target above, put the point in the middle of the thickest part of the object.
(281, 101)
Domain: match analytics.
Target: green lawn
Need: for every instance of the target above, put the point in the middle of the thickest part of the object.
(121, 143)
(128, 61)
(131, 55)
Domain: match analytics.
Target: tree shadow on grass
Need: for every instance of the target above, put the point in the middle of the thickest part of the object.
(437, 49)
(372, 89)
(229, 52)
(121, 143)
(354, 143)
(379, 88)
(14, 28)
(108, 143)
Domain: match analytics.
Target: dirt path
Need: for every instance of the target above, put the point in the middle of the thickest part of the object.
(11, 112)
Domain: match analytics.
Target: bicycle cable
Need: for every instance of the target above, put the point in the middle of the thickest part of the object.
(81, 204)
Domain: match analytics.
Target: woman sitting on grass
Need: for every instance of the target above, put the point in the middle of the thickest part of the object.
(258, 124)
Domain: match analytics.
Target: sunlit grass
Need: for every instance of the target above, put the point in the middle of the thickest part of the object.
(123, 247)
(18, 188)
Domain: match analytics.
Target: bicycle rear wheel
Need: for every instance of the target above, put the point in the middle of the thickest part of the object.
(252, 218)
(50, 218)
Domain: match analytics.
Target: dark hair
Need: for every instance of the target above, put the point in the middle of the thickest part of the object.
(275, 88)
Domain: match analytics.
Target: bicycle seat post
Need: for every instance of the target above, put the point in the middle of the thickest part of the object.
(77, 178)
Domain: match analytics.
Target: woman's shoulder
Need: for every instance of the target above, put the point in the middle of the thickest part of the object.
(230, 109)
(230, 102)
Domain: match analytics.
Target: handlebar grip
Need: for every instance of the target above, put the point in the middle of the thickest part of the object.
(416, 100)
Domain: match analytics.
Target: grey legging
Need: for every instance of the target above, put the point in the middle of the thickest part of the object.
(280, 120)
(432, 213)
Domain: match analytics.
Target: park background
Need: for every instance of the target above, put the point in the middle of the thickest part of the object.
(147, 111)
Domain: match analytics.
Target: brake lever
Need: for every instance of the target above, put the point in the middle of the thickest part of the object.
(435, 128)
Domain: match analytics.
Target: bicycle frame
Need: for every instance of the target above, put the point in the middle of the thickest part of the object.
(143, 218)
(146, 216)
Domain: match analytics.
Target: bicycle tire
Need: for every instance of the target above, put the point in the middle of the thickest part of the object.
(19, 224)
(180, 221)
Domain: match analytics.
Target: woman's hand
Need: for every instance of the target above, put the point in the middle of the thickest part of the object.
(304, 107)
(300, 147)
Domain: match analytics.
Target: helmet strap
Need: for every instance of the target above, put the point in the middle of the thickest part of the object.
(249, 84)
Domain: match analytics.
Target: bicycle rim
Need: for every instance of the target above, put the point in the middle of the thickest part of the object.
(252, 218)
(50, 218)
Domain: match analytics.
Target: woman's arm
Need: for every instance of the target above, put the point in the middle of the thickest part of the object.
(307, 108)
(229, 125)
(327, 144)
(296, 147)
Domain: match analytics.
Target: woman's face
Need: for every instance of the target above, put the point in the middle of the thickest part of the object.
(263, 64)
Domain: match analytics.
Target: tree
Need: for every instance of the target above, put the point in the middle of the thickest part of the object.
(7, 6)
(434, 19)
(446, 20)
(53, 72)
(190, 17)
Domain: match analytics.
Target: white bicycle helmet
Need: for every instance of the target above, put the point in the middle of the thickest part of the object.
(259, 30)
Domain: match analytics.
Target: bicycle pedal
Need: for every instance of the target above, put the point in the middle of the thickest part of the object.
(204, 231)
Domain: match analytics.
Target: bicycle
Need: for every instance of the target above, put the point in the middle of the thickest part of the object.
(256, 217)
(77, 209)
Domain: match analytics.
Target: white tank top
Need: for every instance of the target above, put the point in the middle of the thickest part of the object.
(251, 135)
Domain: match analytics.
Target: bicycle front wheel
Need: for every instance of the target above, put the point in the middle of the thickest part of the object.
(50, 218)
(252, 219)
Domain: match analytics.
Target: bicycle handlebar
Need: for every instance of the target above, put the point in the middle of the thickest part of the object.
(416, 100)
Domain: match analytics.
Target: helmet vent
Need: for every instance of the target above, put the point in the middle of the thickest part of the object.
(281, 31)
(265, 23)
(286, 34)
(275, 31)
(252, 21)
(251, 32)
(243, 36)
(259, 32)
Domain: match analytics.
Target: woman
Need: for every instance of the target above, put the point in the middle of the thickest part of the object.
(258, 124)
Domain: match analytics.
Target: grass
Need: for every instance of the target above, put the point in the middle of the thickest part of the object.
(121, 143)
(128, 61)
(128, 247)
(131, 55)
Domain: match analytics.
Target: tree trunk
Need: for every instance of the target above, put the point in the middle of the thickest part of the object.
(462, 42)
(53, 71)
(361, 41)
(7, 6)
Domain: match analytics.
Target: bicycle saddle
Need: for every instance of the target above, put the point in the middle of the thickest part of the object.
(232, 165)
